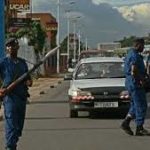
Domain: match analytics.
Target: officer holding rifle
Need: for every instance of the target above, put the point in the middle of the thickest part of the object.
(14, 101)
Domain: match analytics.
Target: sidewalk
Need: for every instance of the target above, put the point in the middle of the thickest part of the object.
(40, 86)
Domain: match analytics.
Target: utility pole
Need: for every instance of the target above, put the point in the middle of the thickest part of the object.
(74, 40)
(79, 48)
(68, 40)
(86, 44)
(58, 36)
(2, 29)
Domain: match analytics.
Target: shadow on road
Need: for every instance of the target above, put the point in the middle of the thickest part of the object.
(45, 118)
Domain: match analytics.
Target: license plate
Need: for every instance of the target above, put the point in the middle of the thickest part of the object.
(106, 104)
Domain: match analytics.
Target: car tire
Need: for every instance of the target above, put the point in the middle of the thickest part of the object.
(73, 114)
(92, 114)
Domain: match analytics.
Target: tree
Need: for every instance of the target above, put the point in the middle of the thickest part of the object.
(35, 34)
(127, 42)
(63, 46)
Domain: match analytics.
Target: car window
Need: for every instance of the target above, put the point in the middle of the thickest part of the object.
(90, 54)
(100, 70)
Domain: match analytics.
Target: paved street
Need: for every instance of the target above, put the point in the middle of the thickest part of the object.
(48, 127)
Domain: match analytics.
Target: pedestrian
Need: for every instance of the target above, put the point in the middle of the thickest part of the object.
(135, 73)
(12, 67)
(147, 62)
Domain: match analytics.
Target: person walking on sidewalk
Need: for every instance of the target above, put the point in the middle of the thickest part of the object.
(135, 74)
(12, 67)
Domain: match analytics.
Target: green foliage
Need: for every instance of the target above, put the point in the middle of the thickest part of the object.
(63, 46)
(53, 39)
(35, 34)
(37, 37)
(127, 42)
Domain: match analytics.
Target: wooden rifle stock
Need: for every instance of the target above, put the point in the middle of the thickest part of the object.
(21, 78)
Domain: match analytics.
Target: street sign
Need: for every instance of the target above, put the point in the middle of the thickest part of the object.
(19, 22)
(51, 26)
(2, 29)
(19, 5)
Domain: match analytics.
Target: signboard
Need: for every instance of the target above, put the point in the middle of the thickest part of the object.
(19, 5)
(19, 2)
(2, 30)
(51, 26)
(19, 22)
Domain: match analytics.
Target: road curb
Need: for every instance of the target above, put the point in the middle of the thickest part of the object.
(1, 113)
(40, 87)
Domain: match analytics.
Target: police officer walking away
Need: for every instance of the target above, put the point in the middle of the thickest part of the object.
(12, 67)
(135, 73)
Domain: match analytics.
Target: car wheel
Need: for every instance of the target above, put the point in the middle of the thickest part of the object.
(92, 114)
(73, 114)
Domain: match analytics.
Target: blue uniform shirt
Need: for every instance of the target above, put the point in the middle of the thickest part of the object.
(133, 58)
(10, 71)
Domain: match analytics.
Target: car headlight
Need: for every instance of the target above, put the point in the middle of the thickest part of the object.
(124, 95)
(78, 95)
(79, 92)
(74, 93)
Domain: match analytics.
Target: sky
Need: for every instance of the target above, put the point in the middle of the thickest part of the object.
(100, 20)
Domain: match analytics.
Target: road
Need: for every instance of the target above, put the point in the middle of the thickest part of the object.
(48, 127)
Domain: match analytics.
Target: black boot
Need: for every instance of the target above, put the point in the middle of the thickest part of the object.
(140, 131)
(11, 148)
(125, 126)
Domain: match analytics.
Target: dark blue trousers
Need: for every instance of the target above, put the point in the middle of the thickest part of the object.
(14, 111)
(138, 105)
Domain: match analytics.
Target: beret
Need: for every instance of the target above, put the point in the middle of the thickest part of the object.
(11, 41)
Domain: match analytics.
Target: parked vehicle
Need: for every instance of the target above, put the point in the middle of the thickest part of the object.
(89, 53)
(98, 85)
(95, 53)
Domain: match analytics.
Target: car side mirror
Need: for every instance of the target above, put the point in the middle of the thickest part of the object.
(70, 70)
(68, 77)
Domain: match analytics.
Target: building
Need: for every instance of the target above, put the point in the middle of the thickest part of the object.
(49, 24)
(108, 46)
(19, 15)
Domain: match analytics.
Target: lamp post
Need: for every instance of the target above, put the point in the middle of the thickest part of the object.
(68, 40)
(2, 29)
(58, 36)
(74, 38)
(79, 48)
(86, 44)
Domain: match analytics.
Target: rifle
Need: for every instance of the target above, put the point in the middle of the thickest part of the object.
(22, 77)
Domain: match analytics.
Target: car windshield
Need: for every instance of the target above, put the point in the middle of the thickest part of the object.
(100, 70)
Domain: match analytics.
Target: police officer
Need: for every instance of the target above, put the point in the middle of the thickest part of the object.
(12, 67)
(135, 73)
(147, 63)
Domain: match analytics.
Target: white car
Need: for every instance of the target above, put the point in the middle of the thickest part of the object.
(98, 84)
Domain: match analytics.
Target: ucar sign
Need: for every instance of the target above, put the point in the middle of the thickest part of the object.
(20, 5)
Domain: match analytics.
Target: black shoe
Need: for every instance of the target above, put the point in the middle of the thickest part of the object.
(127, 128)
(11, 148)
(140, 131)
(8, 148)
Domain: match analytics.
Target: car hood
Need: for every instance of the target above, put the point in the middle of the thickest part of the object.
(89, 83)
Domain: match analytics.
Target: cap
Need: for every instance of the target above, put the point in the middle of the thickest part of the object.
(139, 40)
(11, 41)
